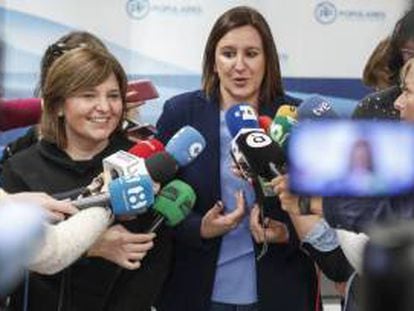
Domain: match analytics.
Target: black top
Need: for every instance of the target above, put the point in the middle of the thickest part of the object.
(85, 284)
(378, 105)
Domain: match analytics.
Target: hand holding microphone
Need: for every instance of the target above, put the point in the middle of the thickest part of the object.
(122, 247)
(55, 210)
(215, 223)
(271, 231)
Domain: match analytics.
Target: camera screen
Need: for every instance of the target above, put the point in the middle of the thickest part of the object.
(351, 158)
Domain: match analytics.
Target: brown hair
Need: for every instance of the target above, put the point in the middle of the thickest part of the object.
(76, 70)
(234, 18)
(376, 73)
(404, 71)
(72, 40)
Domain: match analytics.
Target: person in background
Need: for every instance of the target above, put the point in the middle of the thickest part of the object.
(214, 265)
(377, 73)
(379, 105)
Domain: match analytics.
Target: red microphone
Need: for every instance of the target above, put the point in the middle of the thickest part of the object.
(19, 112)
(264, 123)
(146, 148)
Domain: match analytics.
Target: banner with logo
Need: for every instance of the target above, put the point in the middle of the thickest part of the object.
(322, 44)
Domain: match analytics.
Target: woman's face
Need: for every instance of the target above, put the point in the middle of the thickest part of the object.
(240, 65)
(92, 115)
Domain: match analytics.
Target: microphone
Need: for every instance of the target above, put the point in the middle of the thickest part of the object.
(162, 167)
(130, 163)
(146, 148)
(186, 145)
(173, 203)
(316, 108)
(21, 232)
(19, 113)
(264, 123)
(280, 130)
(126, 196)
(263, 155)
(287, 111)
(241, 116)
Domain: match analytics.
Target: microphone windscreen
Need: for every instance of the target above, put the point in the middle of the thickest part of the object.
(316, 108)
(146, 148)
(265, 122)
(186, 145)
(175, 201)
(19, 112)
(264, 156)
(241, 116)
(280, 130)
(162, 167)
(131, 195)
(287, 111)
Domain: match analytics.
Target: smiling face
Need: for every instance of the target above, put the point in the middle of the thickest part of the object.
(240, 66)
(92, 115)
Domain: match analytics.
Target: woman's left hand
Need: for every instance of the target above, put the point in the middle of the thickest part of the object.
(272, 230)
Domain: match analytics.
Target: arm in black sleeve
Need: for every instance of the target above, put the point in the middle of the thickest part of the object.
(333, 263)
(12, 181)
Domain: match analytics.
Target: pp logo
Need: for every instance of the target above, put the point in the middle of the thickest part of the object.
(195, 149)
(258, 140)
(325, 13)
(138, 9)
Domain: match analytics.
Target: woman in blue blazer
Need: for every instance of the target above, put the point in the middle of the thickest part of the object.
(214, 266)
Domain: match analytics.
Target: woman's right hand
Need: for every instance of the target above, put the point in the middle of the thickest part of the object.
(122, 247)
(215, 223)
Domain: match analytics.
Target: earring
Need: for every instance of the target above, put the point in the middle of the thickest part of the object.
(60, 114)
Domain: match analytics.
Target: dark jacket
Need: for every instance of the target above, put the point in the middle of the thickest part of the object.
(286, 276)
(378, 105)
(357, 214)
(84, 285)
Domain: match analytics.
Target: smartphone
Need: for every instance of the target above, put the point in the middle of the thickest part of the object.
(141, 132)
(351, 158)
(141, 90)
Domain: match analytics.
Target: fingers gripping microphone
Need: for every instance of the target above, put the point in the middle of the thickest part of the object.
(316, 108)
(186, 145)
(126, 196)
(241, 116)
(174, 202)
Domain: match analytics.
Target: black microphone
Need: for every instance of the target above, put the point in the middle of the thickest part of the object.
(264, 157)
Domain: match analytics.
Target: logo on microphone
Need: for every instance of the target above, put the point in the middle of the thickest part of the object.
(136, 194)
(323, 108)
(246, 113)
(258, 140)
(138, 9)
(195, 149)
(325, 13)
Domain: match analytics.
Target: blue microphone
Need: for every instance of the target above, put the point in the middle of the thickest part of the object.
(21, 232)
(130, 195)
(316, 108)
(241, 116)
(186, 145)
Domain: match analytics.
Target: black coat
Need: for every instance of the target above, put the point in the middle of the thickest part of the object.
(286, 276)
(86, 284)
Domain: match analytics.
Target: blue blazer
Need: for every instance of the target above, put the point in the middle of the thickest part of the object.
(286, 278)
